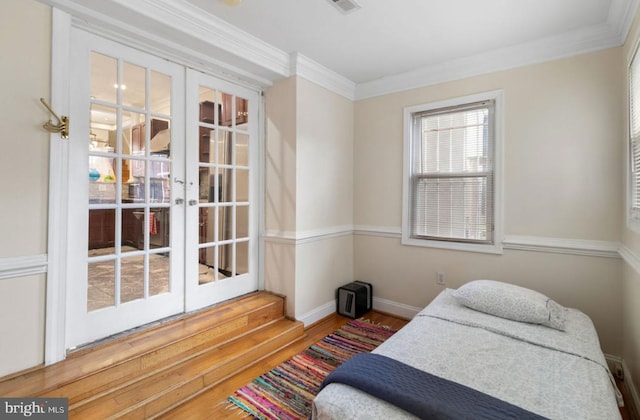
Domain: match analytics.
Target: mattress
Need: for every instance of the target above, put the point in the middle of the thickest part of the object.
(552, 373)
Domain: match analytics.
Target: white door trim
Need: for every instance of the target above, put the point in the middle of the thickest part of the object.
(55, 317)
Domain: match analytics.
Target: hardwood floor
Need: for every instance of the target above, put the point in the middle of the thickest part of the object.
(629, 411)
(150, 374)
(212, 404)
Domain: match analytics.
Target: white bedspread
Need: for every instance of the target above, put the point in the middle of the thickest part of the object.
(559, 375)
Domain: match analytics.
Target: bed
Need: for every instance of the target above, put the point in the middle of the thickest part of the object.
(509, 345)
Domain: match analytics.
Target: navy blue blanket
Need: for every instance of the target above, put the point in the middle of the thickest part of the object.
(420, 393)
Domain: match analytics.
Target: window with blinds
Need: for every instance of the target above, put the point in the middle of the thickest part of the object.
(634, 136)
(452, 175)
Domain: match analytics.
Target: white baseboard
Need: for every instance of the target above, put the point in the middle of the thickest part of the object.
(617, 363)
(613, 362)
(632, 390)
(383, 305)
(318, 313)
(394, 308)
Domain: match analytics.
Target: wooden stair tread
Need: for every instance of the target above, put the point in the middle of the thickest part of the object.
(166, 388)
(178, 328)
(147, 342)
(213, 404)
(157, 359)
(150, 372)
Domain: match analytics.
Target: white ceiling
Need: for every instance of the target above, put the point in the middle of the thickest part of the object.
(385, 46)
(386, 37)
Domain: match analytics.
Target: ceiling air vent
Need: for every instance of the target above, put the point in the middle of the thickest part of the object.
(345, 6)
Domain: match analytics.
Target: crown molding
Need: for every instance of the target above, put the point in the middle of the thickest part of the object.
(634, 39)
(179, 32)
(305, 67)
(621, 16)
(552, 48)
(176, 30)
(207, 27)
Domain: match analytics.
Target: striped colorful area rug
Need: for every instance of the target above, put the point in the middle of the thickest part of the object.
(286, 392)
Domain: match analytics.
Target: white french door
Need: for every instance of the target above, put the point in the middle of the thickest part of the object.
(222, 190)
(163, 190)
(126, 176)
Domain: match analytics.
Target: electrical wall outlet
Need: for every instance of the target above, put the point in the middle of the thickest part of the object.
(440, 278)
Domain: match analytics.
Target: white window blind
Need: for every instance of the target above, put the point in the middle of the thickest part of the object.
(452, 177)
(634, 134)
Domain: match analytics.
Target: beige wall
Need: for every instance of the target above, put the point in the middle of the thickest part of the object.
(25, 30)
(562, 122)
(309, 190)
(325, 158)
(631, 241)
(332, 163)
(280, 159)
(22, 323)
(562, 119)
(322, 266)
(25, 44)
(325, 194)
(280, 190)
(407, 275)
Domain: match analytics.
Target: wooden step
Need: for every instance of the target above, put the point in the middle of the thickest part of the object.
(213, 403)
(174, 343)
(170, 385)
(89, 374)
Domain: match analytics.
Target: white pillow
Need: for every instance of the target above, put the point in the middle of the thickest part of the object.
(511, 302)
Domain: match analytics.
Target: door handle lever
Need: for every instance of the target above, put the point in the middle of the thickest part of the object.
(179, 201)
(193, 202)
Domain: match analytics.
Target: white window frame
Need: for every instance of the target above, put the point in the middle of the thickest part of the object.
(633, 214)
(496, 246)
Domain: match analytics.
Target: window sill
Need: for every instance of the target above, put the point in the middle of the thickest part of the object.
(455, 246)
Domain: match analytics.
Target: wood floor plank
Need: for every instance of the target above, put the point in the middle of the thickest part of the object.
(46, 380)
(213, 403)
(170, 385)
(206, 385)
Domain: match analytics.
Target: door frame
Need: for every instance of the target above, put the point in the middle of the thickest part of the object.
(58, 264)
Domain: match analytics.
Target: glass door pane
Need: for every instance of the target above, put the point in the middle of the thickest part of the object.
(223, 145)
(129, 183)
(223, 245)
